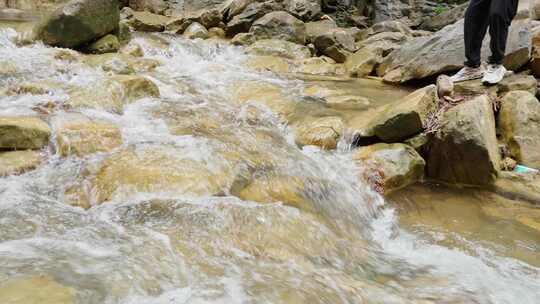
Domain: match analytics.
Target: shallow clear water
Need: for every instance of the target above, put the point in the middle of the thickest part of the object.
(183, 245)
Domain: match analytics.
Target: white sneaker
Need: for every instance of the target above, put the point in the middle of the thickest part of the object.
(468, 73)
(494, 74)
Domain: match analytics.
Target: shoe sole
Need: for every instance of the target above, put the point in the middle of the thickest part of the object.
(468, 79)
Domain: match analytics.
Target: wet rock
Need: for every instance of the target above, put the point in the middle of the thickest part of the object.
(363, 62)
(418, 142)
(280, 48)
(288, 190)
(216, 32)
(18, 162)
(133, 49)
(442, 52)
(107, 44)
(348, 102)
(273, 64)
(516, 186)
(78, 22)
(390, 166)
(116, 92)
(157, 169)
(196, 31)
(337, 44)
(79, 135)
(318, 28)
(36, 290)
(123, 32)
(445, 86)
(148, 22)
(279, 25)
(320, 66)
(464, 150)
(451, 16)
(208, 18)
(323, 132)
(266, 94)
(243, 39)
(23, 132)
(405, 118)
(519, 124)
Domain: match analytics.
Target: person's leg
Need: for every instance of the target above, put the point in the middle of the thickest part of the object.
(476, 24)
(501, 14)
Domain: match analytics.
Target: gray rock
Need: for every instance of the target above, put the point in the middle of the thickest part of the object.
(78, 22)
(280, 48)
(318, 28)
(196, 31)
(437, 22)
(279, 25)
(443, 52)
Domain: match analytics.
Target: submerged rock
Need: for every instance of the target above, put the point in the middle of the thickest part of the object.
(114, 93)
(78, 22)
(389, 167)
(17, 162)
(280, 48)
(107, 44)
(323, 132)
(289, 190)
(23, 132)
(157, 169)
(519, 124)
(78, 135)
(465, 149)
(36, 290)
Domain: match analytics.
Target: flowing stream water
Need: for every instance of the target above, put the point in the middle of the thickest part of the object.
(188, 244)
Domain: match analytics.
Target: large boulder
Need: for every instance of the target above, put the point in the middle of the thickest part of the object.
(79, 22)
(23, 132)
(388, 167)
(279, 25)
(519, 123)
(465, 150)
(337, 44)
(443, 52)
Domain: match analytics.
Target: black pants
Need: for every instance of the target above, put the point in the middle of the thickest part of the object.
(481, 14)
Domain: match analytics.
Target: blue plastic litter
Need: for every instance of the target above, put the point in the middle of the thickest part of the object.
(524, 169)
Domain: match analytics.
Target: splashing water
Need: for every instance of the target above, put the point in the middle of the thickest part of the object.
(202, 243)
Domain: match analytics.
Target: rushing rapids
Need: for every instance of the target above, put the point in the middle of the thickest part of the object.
(176, 212)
